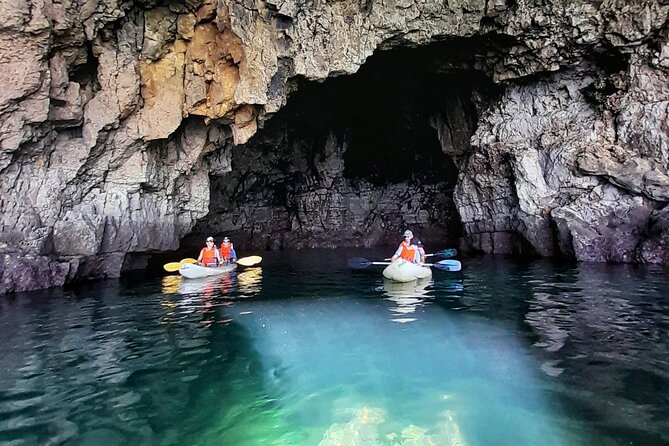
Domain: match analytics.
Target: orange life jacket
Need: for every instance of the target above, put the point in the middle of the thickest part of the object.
(208, 255)
(408, 251)
(226, 251)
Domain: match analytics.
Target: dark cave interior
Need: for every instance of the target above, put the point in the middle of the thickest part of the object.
(353, 160)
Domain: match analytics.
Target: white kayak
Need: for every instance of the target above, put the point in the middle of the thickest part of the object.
(193, 271)
(402, 271)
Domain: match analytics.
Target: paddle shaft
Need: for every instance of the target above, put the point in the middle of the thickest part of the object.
(443, 253)
(446, 265)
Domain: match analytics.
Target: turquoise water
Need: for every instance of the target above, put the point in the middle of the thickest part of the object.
(305, 352)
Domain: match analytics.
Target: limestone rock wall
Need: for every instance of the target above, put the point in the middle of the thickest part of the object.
(113, 114)
(97, 157)
(552, 172)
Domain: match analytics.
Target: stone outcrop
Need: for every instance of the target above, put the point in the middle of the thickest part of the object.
(114, 114)
(552, 173)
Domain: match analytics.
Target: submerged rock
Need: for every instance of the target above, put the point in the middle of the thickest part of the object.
(367, 423)
(362, 430)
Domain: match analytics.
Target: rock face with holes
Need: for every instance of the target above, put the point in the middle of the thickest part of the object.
(115, 114)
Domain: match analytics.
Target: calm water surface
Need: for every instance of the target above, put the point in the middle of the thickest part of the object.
(305, 352)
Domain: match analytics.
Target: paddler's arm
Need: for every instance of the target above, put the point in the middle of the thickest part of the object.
(397, 254)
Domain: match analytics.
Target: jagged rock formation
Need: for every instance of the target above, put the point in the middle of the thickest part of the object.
(566, 175)
(114, 114)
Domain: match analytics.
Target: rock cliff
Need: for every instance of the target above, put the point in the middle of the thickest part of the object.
(117, 117)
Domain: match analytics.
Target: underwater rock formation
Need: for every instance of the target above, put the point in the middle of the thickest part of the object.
(368, 423)
(116, 115)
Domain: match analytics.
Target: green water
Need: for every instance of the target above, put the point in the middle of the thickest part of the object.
(304, 351)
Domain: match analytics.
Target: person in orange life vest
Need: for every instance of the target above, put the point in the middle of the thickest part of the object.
(209, 255)
(406, 250)
(227, 251)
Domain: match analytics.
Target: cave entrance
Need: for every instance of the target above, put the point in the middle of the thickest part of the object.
(355, 160)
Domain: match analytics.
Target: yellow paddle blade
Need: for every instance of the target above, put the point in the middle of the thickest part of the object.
(249, 261)
(172, 267)
(188, 260)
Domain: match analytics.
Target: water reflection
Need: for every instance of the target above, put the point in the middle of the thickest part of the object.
(250, 281)
(597, 326)
(170, 284)
(407, 297)
(233, 284)
(204, 295)
(415, 288)
(412, 296)
(222, 285)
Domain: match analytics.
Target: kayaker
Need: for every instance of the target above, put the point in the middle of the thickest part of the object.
(406, 250)
(209, 255)
(227, 251)
(421, 250)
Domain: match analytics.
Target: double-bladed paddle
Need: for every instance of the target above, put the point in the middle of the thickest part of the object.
(445, 265)
(244, 261)
(445, 253)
